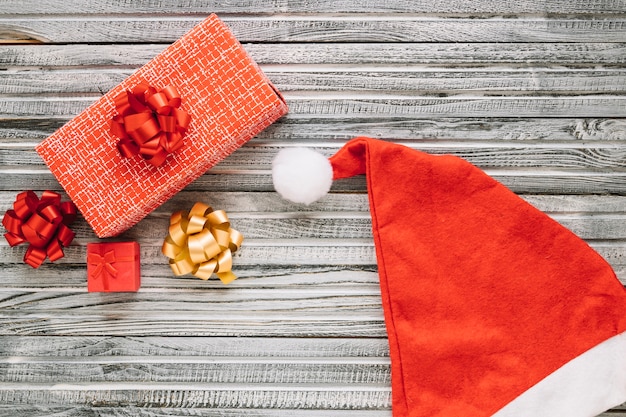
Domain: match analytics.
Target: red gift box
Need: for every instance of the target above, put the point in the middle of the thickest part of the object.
(225, 94)
(113, 267)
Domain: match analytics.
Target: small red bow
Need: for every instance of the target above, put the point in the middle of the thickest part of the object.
(149, 123)
(103, 263)
(43, 223)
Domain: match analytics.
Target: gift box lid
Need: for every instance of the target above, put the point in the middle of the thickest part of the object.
(227, 96)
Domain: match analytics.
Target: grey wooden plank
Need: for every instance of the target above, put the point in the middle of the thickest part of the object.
(315, 302)
(527, 81)
(125, 315)
(199, 395)
(271, 252)
(244, 203)
(354, 253)
(133, 411)
(368, 105)
(600, 156)
(86, 347)
(357, 106)
(220, 180)
(410, 80)
(250, 323)
(457, 7)
(197, 370)
(358, 226)
(348, 225)
(303, 255)
(284, 28)
(212, 370)
(158, 276)
(26, 133)
(72, 278)
(241, 204)
(442, 54)
(606, 156)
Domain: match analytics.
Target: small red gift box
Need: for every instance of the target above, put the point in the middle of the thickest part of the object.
(113, 267)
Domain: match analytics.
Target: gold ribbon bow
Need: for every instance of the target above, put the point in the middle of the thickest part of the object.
(201, 242)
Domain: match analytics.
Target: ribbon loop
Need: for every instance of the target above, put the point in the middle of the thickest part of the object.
(103, 263)
(43, 223)
(201, 242)
(149, 122)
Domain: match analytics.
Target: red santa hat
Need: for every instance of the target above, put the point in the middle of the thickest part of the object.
(492, 308)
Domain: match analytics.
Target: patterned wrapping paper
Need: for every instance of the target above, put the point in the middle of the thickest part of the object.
(228, 97)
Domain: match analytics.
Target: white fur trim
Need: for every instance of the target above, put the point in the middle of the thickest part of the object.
(584, 387)
(301, 175)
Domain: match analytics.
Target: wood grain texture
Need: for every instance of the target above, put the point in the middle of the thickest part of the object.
(373, 79)
(284, 28)
(455, 7)
(363, 105)
(531, 91)
(520, 181)
(605, 156)
(447, 55)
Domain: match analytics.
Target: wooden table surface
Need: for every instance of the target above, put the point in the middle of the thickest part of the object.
(532, 91)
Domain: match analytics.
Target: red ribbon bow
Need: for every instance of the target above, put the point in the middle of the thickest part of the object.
(43, 223)
(149, 123)
(103, 263)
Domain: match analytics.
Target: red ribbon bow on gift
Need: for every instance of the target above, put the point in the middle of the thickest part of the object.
(103, 263)
(149, 123)
(43, 223)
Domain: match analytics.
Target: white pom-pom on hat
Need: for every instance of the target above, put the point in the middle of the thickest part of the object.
(301, 175)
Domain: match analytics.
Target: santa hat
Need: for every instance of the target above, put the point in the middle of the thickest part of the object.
(492, 308)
